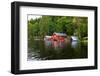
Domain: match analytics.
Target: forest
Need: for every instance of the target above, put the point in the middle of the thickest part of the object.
(47, 25)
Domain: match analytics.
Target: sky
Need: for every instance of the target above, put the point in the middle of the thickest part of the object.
(33, 16)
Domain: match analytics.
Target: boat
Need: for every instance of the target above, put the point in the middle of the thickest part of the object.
(47, 37)
(74, 38)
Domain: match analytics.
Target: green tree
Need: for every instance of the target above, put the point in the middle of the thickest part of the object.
(47, 25)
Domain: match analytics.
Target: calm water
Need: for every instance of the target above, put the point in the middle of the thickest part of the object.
(53, 50)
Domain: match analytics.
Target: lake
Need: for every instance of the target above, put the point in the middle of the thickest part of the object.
(53, 50)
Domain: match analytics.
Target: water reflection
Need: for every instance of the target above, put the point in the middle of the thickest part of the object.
(55, 44)
(50, 50)
(74, 44)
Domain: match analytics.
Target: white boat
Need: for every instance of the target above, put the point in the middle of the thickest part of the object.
(47, 37)
(74, 38)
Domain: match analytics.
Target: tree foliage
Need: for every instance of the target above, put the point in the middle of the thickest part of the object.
(47, 25)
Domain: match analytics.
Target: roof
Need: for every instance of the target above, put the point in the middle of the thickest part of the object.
(60, 34)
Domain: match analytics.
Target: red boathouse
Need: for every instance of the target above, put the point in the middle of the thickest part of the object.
(58, 36)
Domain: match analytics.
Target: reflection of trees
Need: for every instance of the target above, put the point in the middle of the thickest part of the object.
(49, 51)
